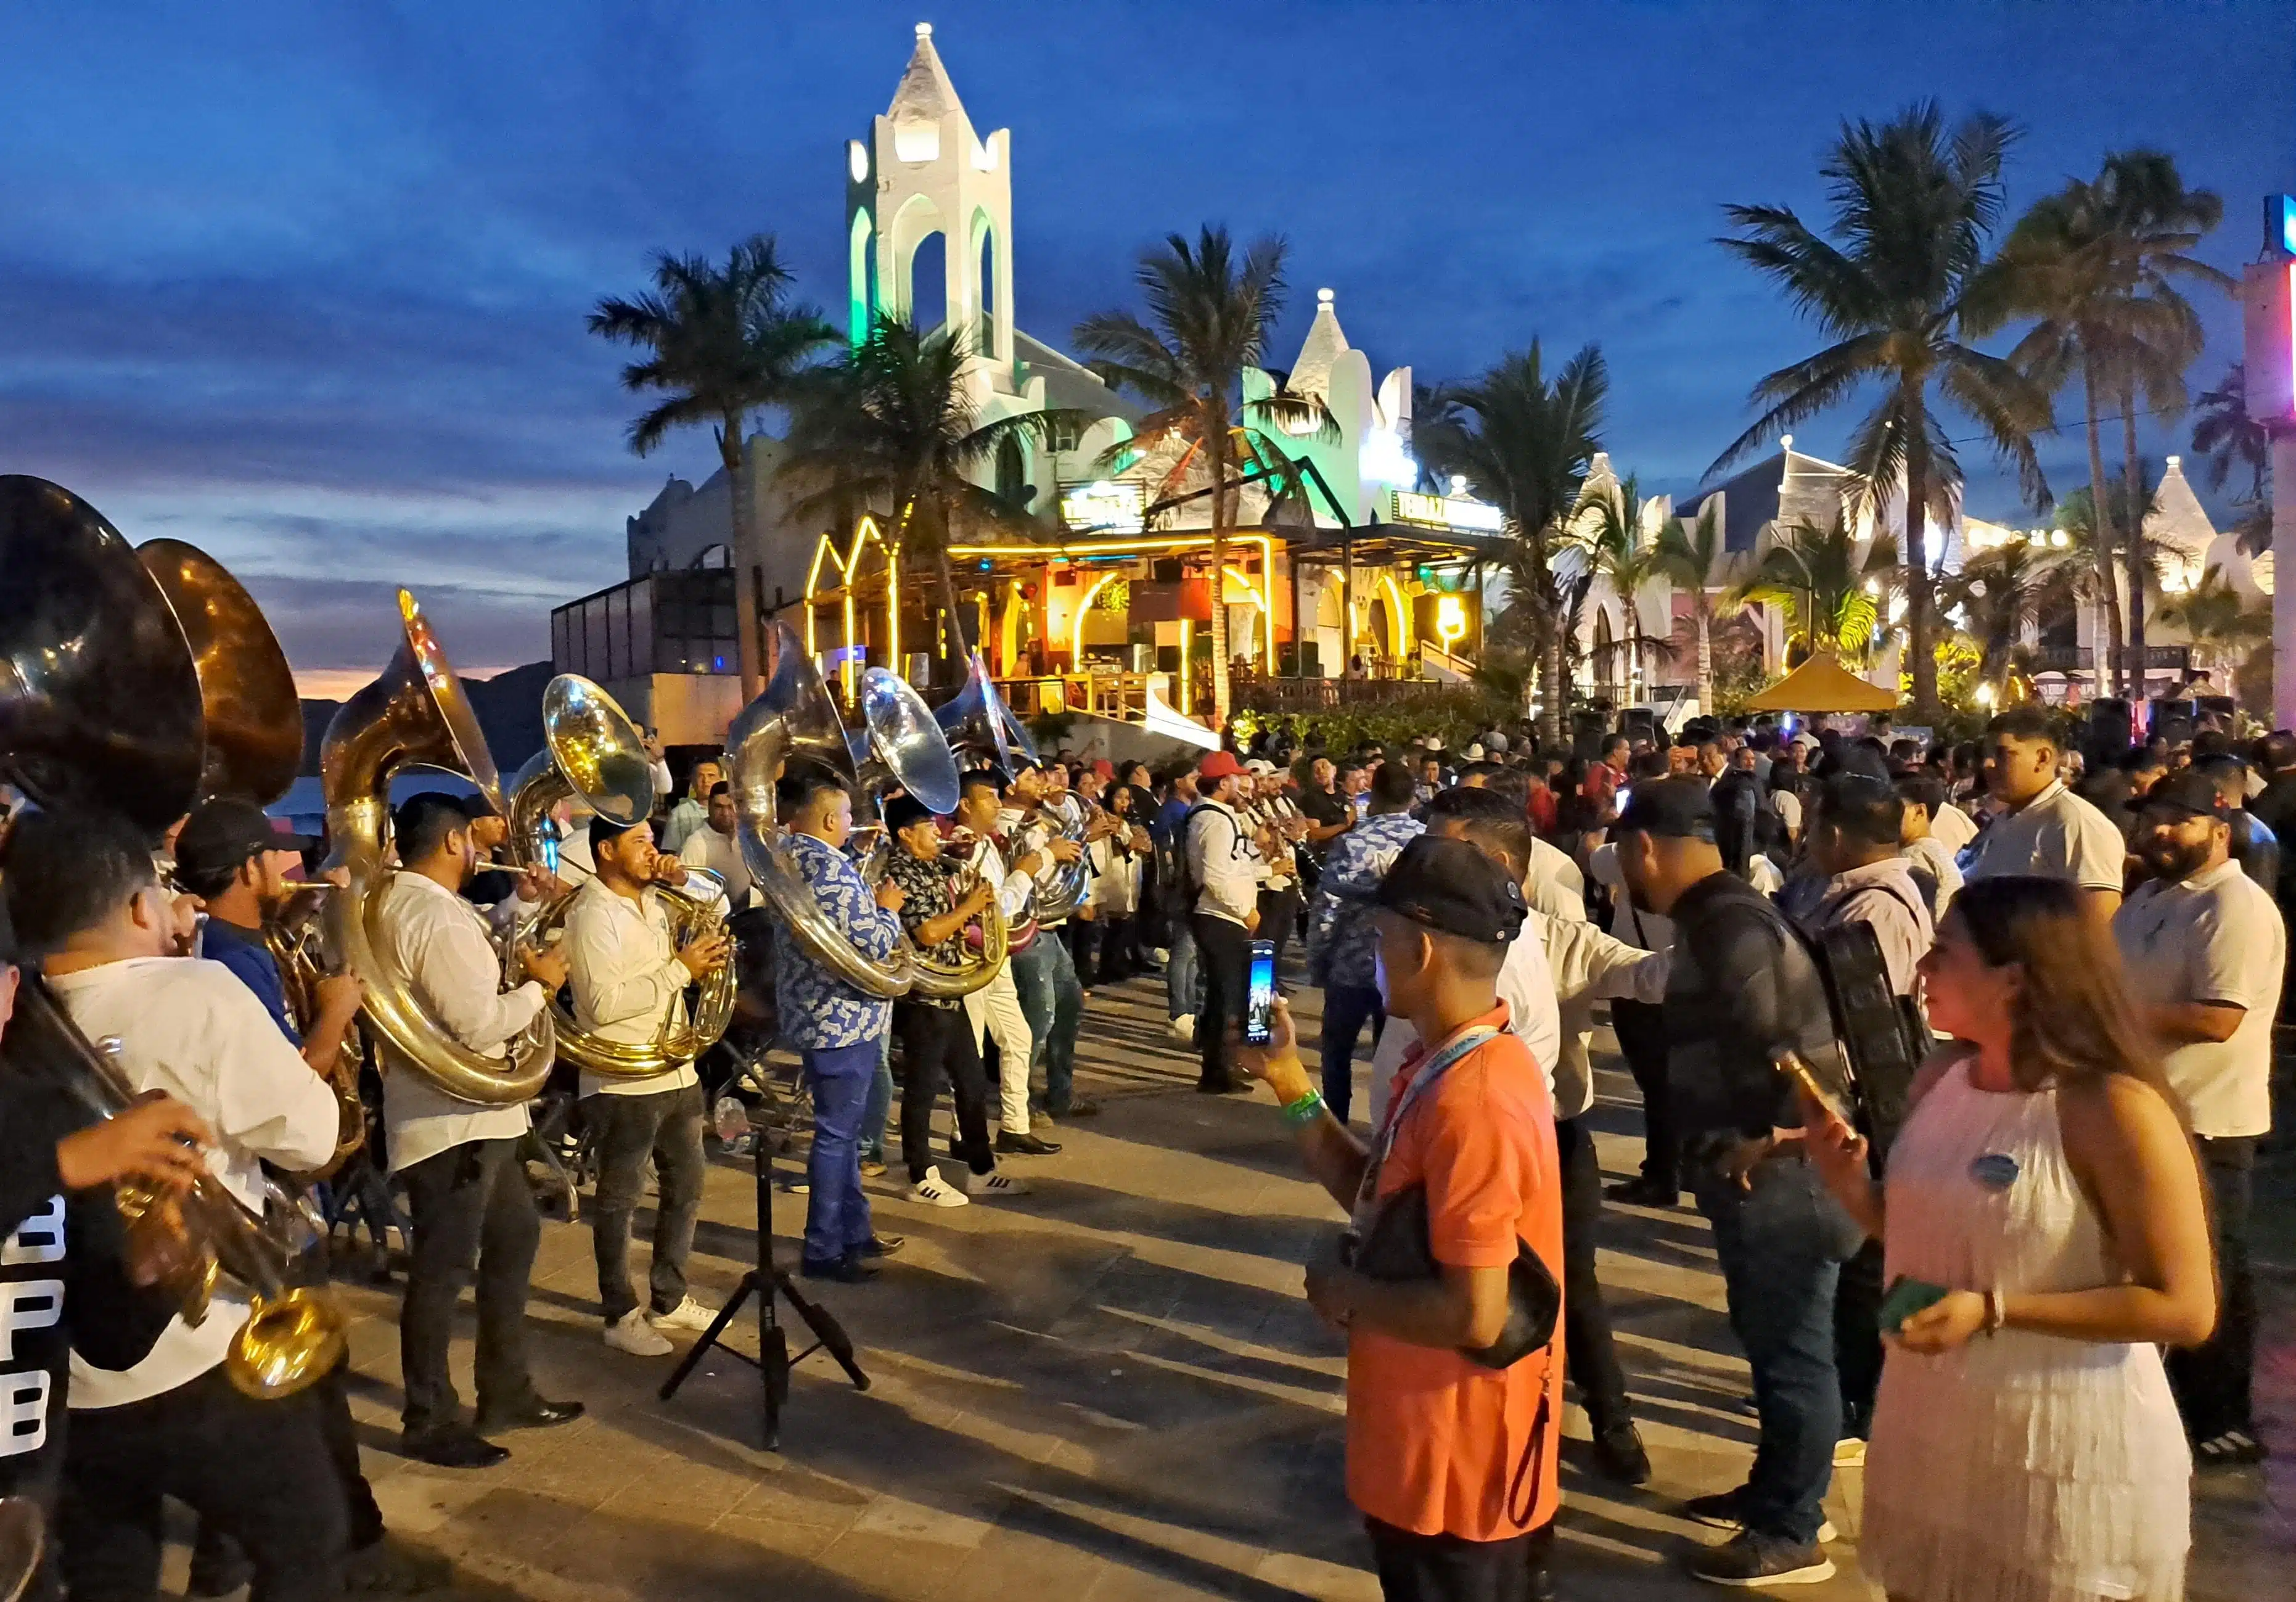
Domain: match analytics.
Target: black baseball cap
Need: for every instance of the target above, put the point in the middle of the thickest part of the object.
(1451, 887)
(220, 836)
(2191, 794)
(1669, 810)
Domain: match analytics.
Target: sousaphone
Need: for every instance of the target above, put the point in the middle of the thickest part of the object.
(592, 751)
(416, 714)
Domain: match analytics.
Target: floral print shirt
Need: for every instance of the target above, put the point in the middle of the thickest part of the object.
(819, 1011)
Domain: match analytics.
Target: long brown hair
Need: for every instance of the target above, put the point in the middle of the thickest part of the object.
(2070, 1019)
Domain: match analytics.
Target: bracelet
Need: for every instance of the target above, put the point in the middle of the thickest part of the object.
(1303, 1112)
(1996, 1310)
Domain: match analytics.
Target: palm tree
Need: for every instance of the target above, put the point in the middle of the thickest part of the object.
(1523, 443)
(2097, 262)
(1833, 595)
(1209, 319)
(2228, 438)
(1913, 204)
(1686, 556)
(895, 425)
(2090, 578)
(2001, 593)
(1607, 528)
(2219, 620)
(724, 342)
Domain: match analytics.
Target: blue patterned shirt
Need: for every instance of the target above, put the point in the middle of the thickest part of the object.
(818, 1010)
(1342, 945)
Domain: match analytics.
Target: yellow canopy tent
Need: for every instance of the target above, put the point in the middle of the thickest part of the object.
(1823, 684)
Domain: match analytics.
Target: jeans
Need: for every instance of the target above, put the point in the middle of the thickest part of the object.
(836, 1211)
(936, 1048)
(1448, 1568)
(2213, 1380)
(1183, 985)
(1347, 1008)
(668, 1123)
(880, 1109)
(1224, 950)
(1641, 1039)
(471, 1205)
(1590, 1354)
(258, 1472)
(1053, 1002)
(1782, 1245)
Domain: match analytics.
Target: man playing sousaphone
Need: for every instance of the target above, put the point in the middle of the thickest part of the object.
(629, 982)
(465, 1185)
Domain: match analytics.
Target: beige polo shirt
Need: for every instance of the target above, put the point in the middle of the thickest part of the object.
(2215, 937)
(2056, 835)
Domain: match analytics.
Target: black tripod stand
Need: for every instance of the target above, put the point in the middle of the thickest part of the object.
(766, 1282)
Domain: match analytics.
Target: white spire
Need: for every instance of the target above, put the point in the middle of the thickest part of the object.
(1311, 373)
(925, 93)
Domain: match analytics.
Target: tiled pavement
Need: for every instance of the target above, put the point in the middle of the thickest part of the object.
(1108, 1392)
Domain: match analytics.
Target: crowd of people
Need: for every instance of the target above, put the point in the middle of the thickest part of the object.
(1963, 1054)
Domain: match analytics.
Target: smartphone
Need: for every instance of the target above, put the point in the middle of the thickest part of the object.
(550, 849)
(1626, 794)
(1905, 1298)
(1260, 1000)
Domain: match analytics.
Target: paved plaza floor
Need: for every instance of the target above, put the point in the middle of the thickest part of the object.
(1109, 1391)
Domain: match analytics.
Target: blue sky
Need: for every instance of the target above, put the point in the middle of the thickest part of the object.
(304, 284)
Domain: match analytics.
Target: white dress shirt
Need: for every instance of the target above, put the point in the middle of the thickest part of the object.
(439, 942)
(721, 854)
(191, 1028)
(1223, 859)
(1525, 983)
(628, 981)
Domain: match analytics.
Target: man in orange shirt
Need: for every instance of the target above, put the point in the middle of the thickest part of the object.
(1451, 1463)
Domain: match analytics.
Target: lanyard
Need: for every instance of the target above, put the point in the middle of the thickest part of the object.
(1444, 1058)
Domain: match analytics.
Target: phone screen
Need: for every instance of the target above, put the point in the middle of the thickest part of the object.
(1906, 1297)
(1626, 794)
(1260, 1000)
(550, 850)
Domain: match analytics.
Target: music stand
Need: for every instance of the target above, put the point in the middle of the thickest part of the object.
(765, 1282)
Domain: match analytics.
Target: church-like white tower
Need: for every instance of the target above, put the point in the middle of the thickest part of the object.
(924, 171)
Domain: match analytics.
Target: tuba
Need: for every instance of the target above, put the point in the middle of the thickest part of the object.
(254, 724)
(101, 705)
(416, 714)
(980, 724)
(591, 751)
(793, 722)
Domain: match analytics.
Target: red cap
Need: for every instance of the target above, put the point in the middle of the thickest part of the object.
(1104, 769)
(1219, 765)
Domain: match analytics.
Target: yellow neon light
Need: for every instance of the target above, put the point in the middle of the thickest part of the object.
(1450, 619)
(1169, 544)
(848, 566)
(1075, 648)
(1397, 615)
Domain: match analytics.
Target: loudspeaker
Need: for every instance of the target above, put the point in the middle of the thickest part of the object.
(1166, 570)
(2109, 730)
(1641, 723)
(2172, 717)
(1588, 726)
(2219, 706)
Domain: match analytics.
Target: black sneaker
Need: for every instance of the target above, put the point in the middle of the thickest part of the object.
(1751, 1559)
(1644, 1192)
(1010, 1145)
(454, 1447)
(844, 1271)
(1619, 1455)
(533, 1414)
(1720, 1510)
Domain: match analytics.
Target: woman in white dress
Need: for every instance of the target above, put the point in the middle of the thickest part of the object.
(2025, 1446)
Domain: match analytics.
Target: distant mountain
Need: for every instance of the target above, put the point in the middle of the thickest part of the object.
(509, 708)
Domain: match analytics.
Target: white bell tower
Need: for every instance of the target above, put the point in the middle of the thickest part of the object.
(923, 171)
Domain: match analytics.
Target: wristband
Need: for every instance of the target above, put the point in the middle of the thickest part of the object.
(1303, 1112)
(1996, 1310)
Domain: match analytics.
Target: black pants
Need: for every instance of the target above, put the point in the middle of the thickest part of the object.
(668, 1123)
(470, 1206)
(2211, 1380)
(1591, 1358)
(1446, 1568)
(258, 1472)
(1641, 1037)
(1118, 960)
(1224, 957)
(1279, 911)
(1857, 1337)
(936, 1048)
(1084, 938)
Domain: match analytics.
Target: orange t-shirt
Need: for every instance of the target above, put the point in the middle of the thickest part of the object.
(1436, 1443)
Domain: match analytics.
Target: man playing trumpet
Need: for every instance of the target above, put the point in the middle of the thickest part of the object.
(629, 980)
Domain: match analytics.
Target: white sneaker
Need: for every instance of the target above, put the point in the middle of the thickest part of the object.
(629, 1334)
(932, 1193)
(993, 1186)
(688, 1314)
(1183, 1029)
